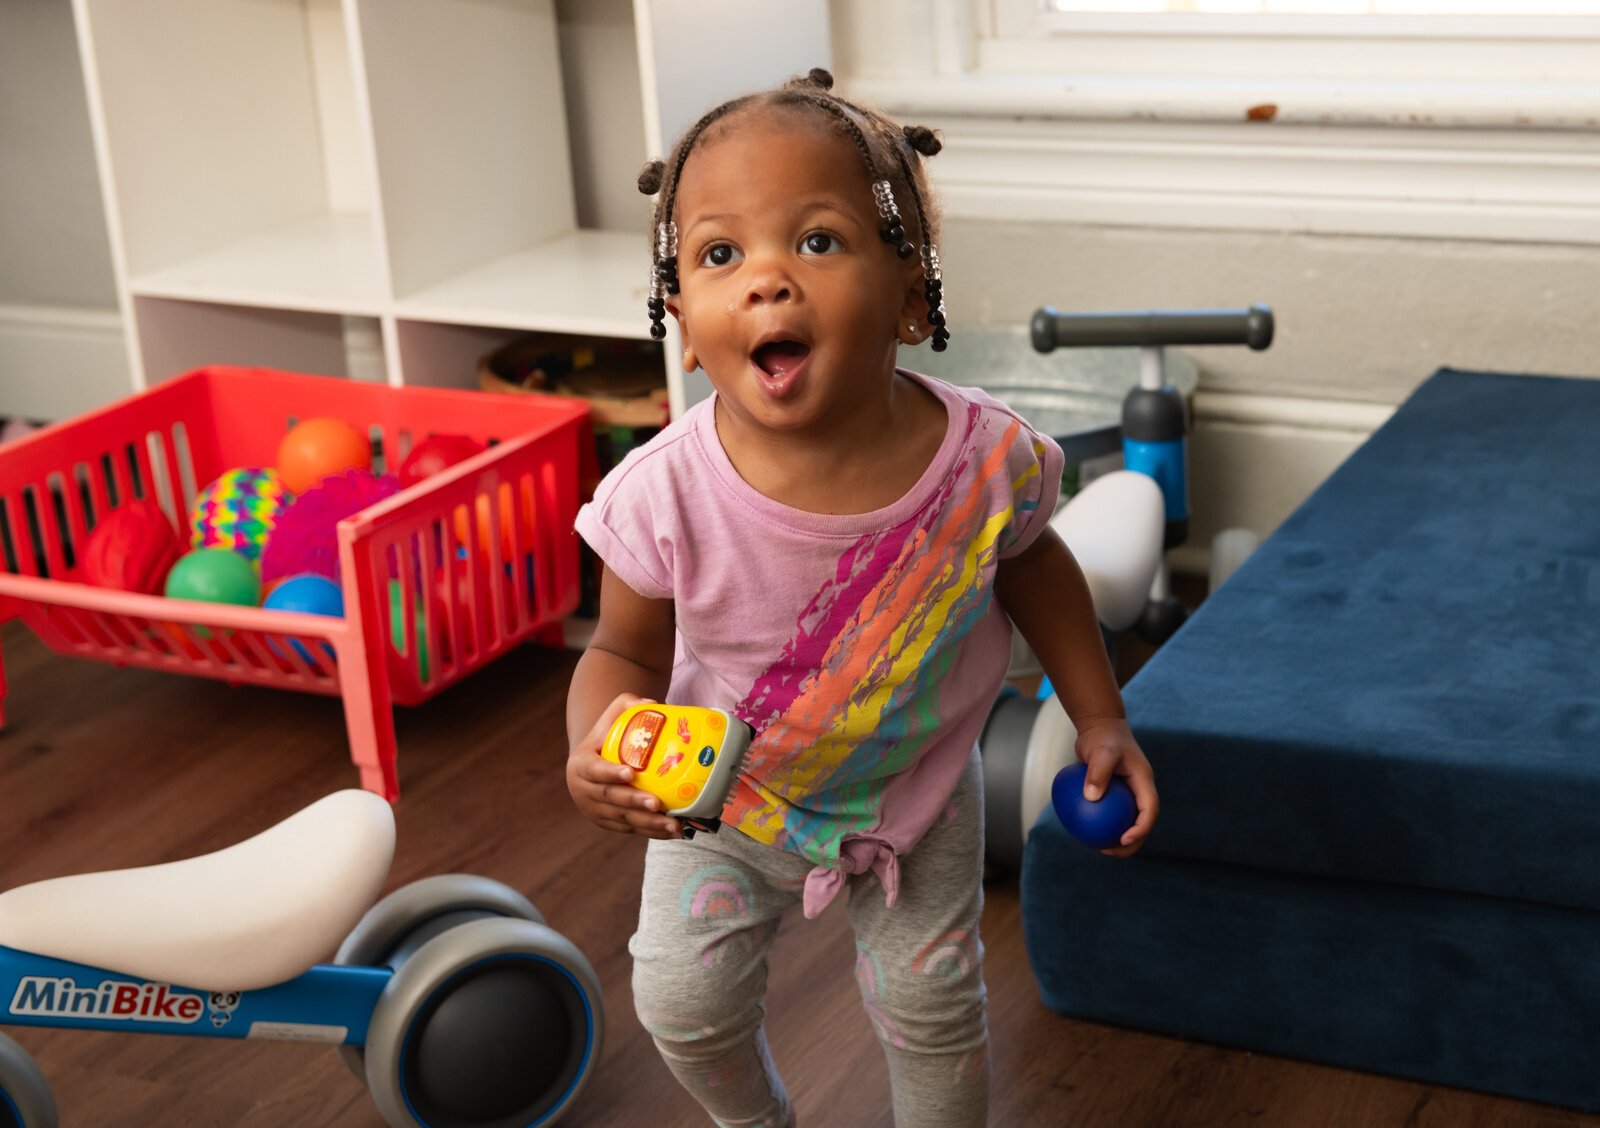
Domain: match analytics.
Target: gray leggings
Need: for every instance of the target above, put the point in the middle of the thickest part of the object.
(709, 914)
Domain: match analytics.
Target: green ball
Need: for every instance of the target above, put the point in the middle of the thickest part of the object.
(215, 575)
(397, 628)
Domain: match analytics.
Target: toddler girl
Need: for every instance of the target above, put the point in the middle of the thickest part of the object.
(835, 550)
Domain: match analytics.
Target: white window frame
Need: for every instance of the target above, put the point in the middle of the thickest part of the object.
(1323, 126)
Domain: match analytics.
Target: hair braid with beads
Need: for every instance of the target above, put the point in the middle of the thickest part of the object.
(890, 152)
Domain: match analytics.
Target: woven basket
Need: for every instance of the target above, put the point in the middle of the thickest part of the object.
(624, 382)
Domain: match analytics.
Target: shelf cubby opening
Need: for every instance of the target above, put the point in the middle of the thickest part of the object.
(241, 175)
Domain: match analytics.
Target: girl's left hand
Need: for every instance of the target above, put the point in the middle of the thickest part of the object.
(1107, 748)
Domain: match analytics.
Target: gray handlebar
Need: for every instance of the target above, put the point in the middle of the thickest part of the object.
(1050, 329)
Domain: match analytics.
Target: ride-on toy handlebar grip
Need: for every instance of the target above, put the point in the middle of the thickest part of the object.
(1050, 329)
(684, 755)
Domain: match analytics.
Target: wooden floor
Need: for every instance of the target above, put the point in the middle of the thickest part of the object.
(102, 768)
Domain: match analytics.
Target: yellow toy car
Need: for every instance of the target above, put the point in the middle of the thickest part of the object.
(684, 755)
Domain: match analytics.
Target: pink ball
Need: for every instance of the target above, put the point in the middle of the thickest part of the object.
(306, 538)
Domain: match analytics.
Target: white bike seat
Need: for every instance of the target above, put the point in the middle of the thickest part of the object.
(1114, 527)
(245, 917)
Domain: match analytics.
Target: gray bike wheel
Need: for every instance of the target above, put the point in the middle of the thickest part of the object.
(496, 1023)
(25, 1098)
(416, 913)
(1004, 749)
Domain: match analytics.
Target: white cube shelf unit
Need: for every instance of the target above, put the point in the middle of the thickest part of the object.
(285, 177)
(61, 344)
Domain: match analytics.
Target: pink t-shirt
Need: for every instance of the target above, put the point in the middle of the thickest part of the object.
(864, 649)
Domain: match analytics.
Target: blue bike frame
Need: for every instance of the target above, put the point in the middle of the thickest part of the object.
(330, 1003)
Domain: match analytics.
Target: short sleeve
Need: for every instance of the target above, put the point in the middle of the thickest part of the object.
(627, 528)
(1034, 463)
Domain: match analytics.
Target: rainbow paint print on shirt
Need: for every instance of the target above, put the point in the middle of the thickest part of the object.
(852, 699)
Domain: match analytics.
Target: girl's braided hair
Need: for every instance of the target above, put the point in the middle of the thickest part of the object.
(893, 155)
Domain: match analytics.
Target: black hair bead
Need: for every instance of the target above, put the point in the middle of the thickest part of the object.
(905, 250)
(658, 331)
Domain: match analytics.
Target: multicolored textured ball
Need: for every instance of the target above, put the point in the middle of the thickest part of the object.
(239, 510)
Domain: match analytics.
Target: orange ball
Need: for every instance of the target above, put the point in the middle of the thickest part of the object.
(508, 519)
(316, 448)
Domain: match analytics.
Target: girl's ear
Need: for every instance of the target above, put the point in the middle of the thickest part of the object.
(912, 327)
(690, 361)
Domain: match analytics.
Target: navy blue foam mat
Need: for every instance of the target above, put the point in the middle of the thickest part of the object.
(1448, 988)
(1402, 684)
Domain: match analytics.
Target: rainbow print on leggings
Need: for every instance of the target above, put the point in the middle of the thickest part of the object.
(717, 891)
(951, 956)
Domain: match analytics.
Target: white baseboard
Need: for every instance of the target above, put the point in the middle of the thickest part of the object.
(57, 362)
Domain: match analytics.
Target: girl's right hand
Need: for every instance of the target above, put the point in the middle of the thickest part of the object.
(604, 791)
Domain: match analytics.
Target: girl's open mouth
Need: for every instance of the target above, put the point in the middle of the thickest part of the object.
(779, 358)
(782, 365)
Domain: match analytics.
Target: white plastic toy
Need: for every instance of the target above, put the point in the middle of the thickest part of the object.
(1118, 527)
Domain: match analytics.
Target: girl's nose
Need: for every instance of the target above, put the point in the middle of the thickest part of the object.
(768, 281)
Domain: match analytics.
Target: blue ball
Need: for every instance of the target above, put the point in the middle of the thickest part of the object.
(309, 595)
(1100, 824)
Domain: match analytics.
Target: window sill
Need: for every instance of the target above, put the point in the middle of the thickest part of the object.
(1510, 162)
(1094, 97)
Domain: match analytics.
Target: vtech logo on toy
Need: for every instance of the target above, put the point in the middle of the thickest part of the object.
(61, 997)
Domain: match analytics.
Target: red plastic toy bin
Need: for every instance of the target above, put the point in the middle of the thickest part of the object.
(438, 580)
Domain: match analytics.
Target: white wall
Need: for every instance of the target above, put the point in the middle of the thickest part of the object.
(1357, 318)
(53, 246)
(1360, 323)
(61, 345)
(600, 71)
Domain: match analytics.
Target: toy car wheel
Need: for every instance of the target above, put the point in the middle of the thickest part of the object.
(496, 1022)
(414, 914)
(1004, 748)
(25, 1100)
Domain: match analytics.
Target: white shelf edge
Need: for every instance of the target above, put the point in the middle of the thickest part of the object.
(327, 263)
(531, 322)
(585, 282)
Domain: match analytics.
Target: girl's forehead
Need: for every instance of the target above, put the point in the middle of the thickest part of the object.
(773, 124)
(807, 141)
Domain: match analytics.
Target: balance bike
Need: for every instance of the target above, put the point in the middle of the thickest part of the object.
(1119, 528)
(451, 998)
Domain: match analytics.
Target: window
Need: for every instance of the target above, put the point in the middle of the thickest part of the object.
(1336, 7)
(1442, 118)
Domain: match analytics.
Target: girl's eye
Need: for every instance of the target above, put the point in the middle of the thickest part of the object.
(820, 243)
(719, 255)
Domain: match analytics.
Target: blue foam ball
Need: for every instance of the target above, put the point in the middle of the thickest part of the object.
(1100, 824)
(310, 595)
